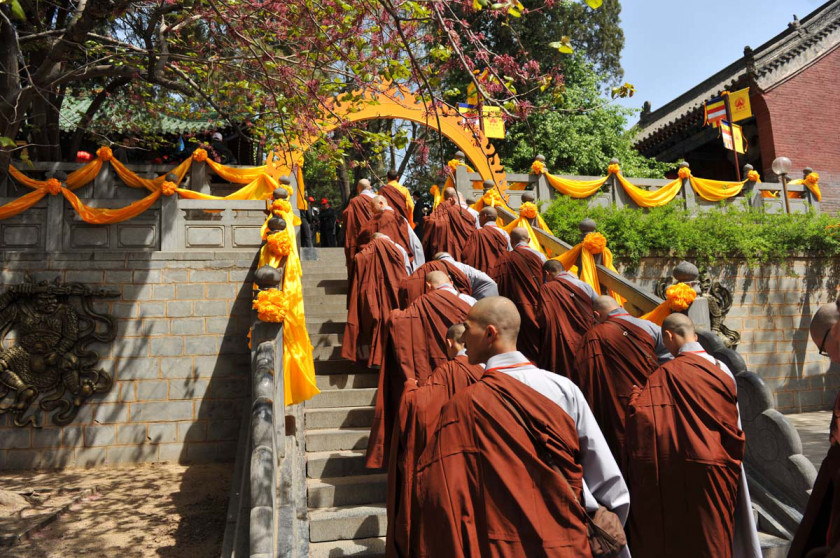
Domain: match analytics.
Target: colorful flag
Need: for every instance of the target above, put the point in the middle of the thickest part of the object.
(739, 104)
(715, 111)
(494, 124)
(470, 114)
(472, 90)
(727, 131)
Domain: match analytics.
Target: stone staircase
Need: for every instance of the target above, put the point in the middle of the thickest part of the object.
(346, 501)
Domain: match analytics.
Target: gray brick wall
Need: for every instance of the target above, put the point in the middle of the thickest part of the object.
(772, 308)
(178, 389)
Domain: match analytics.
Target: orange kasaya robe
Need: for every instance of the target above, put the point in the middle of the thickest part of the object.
(481, 489)
(684, 451)
(415, 346)
(373, 294)
(820, 525)
(399, 199)
(353, 218)
(612, 358)
(519, 276)
(564, 315)
(391, 225)
(483, 249)
(414, 285)
(418, 420)
(447, 229)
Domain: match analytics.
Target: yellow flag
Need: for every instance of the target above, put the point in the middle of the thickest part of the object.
(732, 136)
(738, 136)
(739, 104)
(494, 124)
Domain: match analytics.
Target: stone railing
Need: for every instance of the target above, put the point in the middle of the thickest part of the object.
(612, 193)
(267, 510)
(779, 475)
(170, 224)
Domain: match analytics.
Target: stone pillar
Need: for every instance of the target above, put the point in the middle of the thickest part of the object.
(752, 194)
(104, 185)
(462, 182)
(812, 199)
(619, 197)
(687, 273)
(198, 177)
(688, 191)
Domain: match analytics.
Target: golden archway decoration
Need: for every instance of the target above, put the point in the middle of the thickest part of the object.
(393, 101)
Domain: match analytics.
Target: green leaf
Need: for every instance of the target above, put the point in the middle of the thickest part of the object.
(7, 142)
(17, 11)
(564, 45)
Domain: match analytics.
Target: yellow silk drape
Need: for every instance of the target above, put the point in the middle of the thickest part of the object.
(658, 314)
(234, 175)
(588, 273)
(150, 184)
(298, 367)
(655, 198)
(75, 179)
(436, 195)
(22, 203)
(815, 188)
(260, 189)
(575, 188)
(409, 201)
(105, 216)
(716, 190)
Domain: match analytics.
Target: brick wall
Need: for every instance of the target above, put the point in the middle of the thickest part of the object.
(805, 124)
(180, 361)
(772, 308)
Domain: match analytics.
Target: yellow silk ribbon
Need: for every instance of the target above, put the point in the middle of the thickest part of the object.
(533, 242)
(575, 188)
(234, 175)
(588, 271)
(655, 198)
(814, 187)
(716, 190)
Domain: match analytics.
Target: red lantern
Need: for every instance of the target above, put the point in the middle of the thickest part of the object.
(83, 157)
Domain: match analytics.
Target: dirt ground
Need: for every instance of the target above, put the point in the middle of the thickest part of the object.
(147, 510)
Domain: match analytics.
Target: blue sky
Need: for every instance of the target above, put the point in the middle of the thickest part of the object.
(672, 45)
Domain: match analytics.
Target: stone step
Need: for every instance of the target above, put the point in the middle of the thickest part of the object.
(324, 276)
(327, 464)
(328, 352)
(325, 326)
(346, 491)
(330, 367)
(337, 439)
(354, 547)
(343, 417)
(316, 298)
(347, 522)
(334, 285)
(772, 546)
(326, 339)
(365, 379)
(332, 311)
(361, 397)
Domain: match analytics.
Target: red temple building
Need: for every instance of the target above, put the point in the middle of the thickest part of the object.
(794, 81)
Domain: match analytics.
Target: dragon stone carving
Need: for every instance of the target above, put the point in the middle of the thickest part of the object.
(718, 297)
(49, 367)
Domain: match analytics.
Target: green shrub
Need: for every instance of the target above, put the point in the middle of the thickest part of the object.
(731, 230)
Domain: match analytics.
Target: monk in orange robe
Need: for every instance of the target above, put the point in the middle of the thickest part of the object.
(484, 248)
(388, 222)
(519, 274)
(564, 316)
(380, 267)
(418, 419)
(448, 228)
(399, 198)
(516, 459)
(685, 449)
(415, 347)
(353, 218)
(819, 530)
(613, 356)
(414, 285)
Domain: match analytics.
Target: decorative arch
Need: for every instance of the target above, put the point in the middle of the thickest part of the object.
(397, 102)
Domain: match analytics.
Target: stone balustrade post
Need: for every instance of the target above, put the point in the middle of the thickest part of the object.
(751, 192)
(619, 197)
(688, 191)
(812, 199)
(198, 177)
(104, 185)
(686, 272)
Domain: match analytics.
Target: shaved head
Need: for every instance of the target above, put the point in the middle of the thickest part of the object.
(363, 184)
(437, 278)
(553, 267)
(450, 193)
(604, 303)
(519, 234)
(378, 204)
(456, 332)
(825, 330)
(679, 324)
(487, 215)
(677, 330)
(492, 328)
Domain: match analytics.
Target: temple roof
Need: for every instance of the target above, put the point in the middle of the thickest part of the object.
(803, 43)
(73, 108)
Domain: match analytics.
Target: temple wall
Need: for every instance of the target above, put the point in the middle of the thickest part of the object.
(180, 361)
(771, 309)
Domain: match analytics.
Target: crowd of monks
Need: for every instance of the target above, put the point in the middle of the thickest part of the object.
(516, 404)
